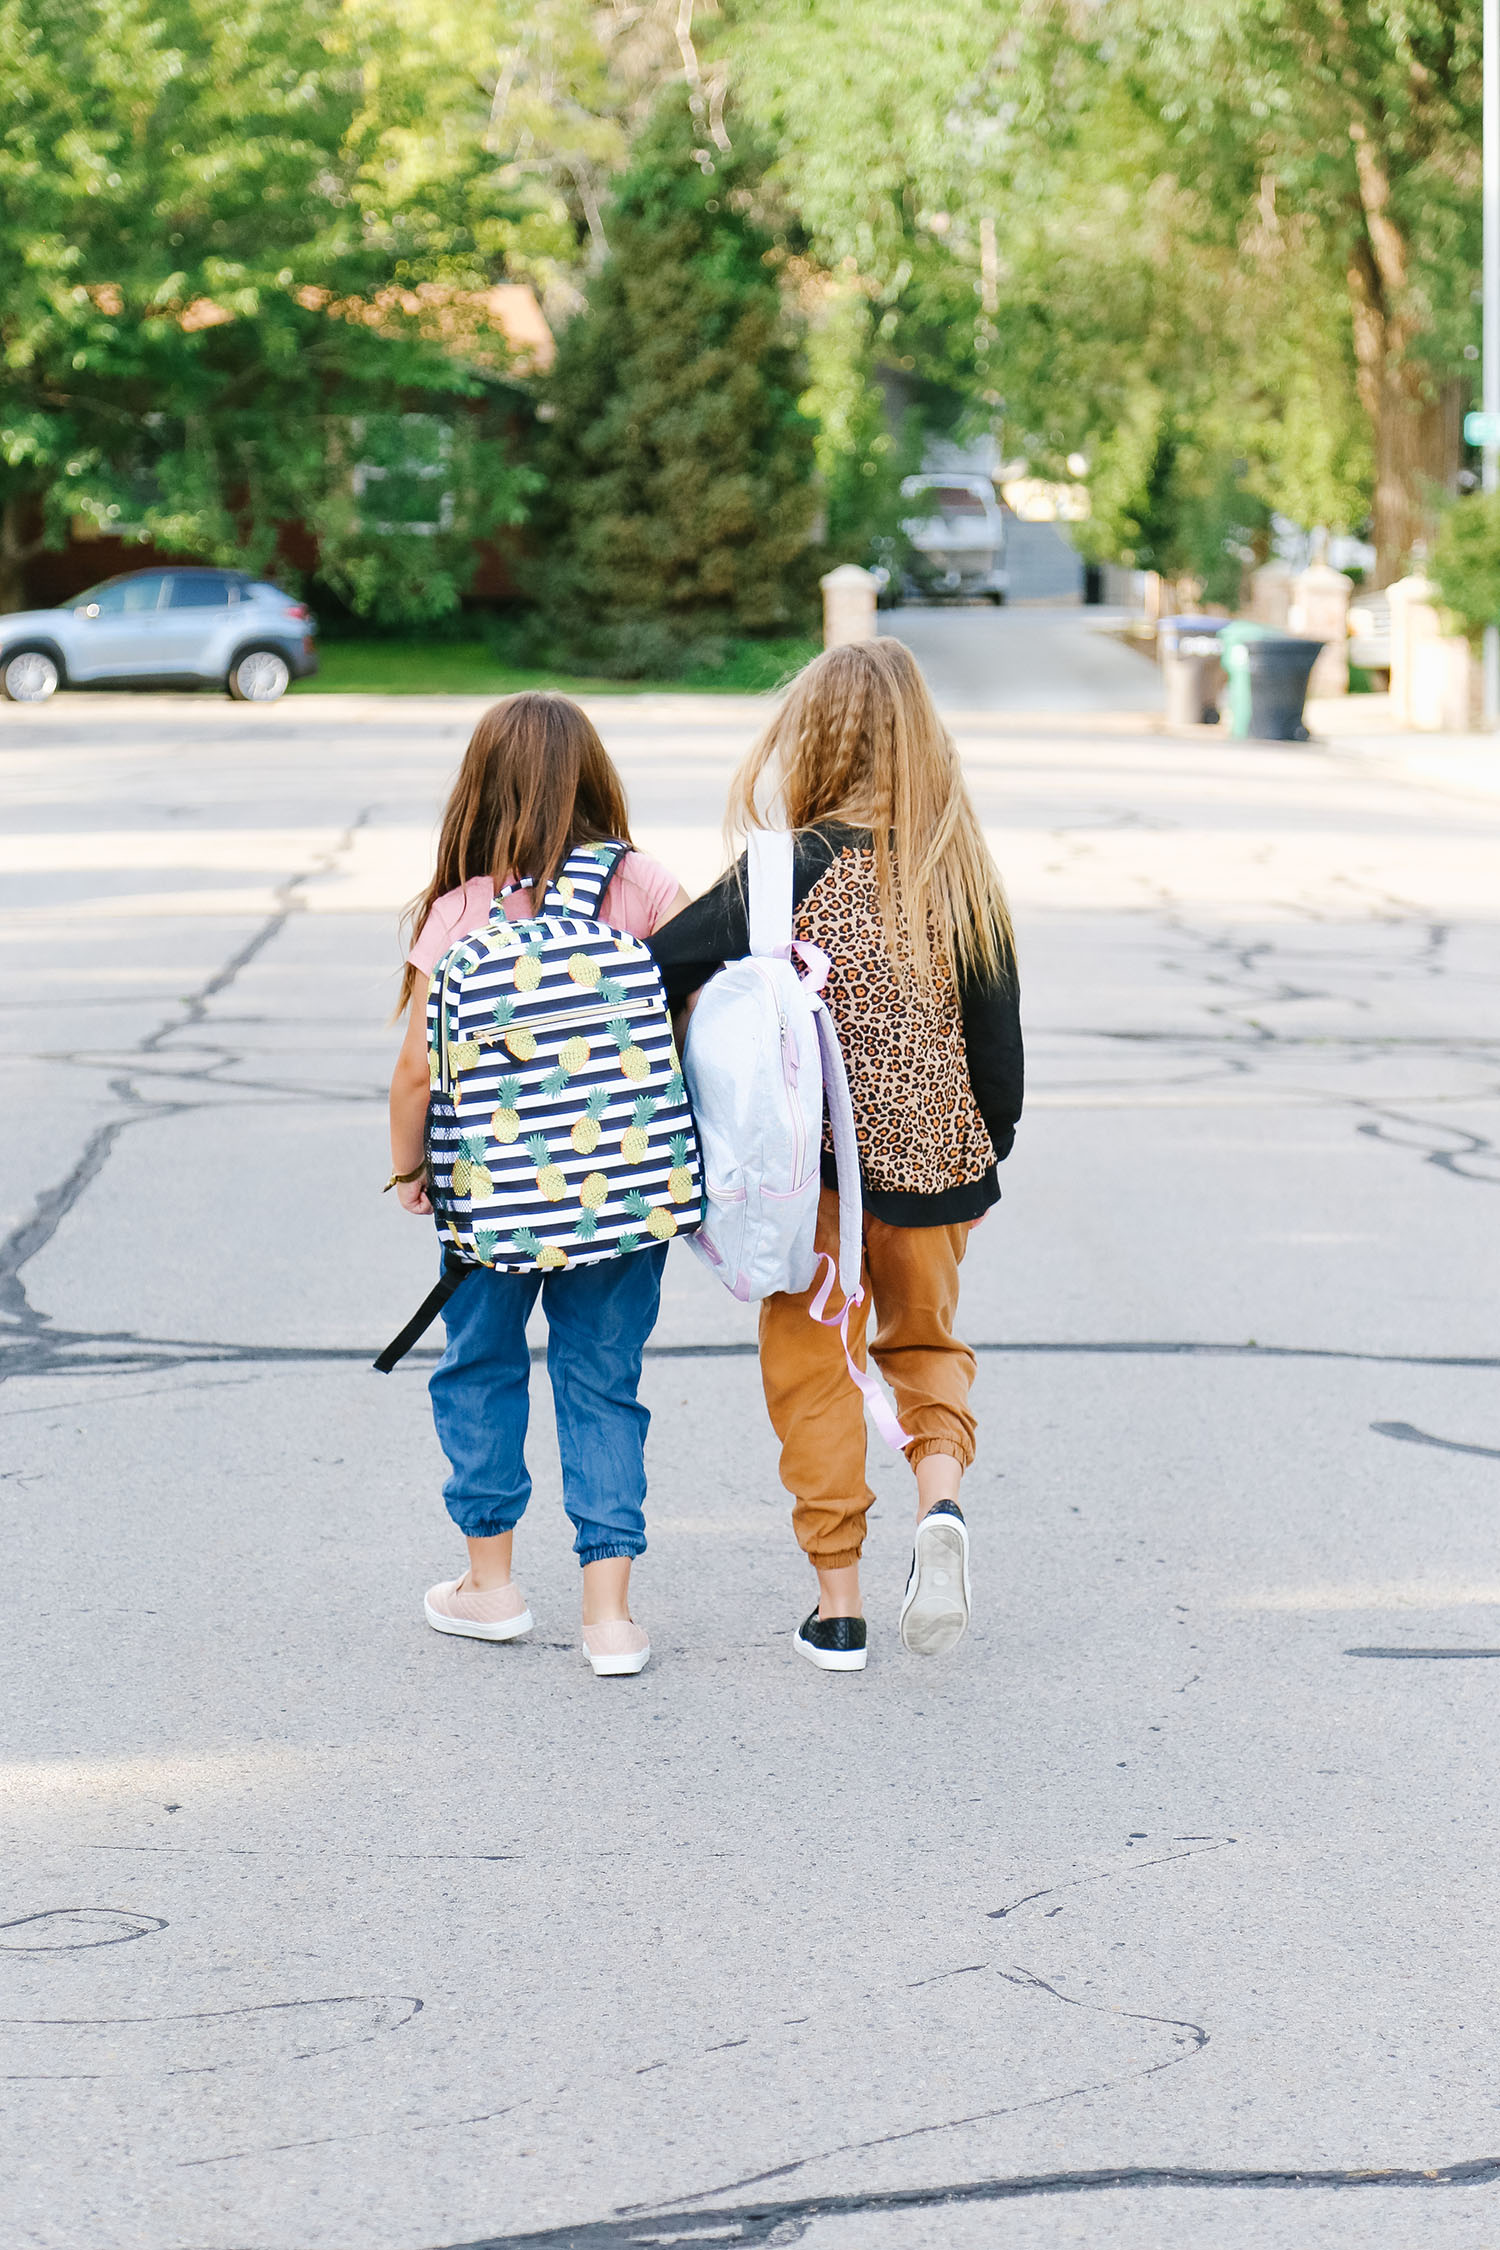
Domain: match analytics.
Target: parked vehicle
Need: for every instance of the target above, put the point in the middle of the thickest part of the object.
(959, 538)
(163, 628)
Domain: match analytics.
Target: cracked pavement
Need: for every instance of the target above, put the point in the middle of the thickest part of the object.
(1162, 1912)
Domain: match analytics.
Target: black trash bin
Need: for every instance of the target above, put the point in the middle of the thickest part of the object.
(1279, 669)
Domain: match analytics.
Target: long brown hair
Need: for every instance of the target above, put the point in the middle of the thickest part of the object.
(859, 740)
(535, 782)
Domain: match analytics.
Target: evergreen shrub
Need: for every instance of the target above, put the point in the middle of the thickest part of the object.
(679, 501)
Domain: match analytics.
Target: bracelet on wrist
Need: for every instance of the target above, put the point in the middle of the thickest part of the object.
(404, 1179)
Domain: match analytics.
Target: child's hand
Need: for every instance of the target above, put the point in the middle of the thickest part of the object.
(412, 1196)
(979, 1222)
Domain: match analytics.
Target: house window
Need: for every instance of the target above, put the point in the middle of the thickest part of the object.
(404, 485)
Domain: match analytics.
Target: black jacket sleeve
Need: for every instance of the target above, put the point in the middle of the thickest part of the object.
(716, 928)
(992, 1038)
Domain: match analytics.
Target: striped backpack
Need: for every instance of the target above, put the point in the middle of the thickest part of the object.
(558, 1129)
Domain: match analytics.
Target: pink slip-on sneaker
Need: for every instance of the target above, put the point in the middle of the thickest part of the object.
(498, 1615)
(615, 1647)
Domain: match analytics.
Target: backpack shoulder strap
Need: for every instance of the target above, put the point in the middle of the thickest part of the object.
(768, 878)
(581, 882)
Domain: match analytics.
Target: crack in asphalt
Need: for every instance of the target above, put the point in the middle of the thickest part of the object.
(787, 2222)
(1027, 1980)
(1431, 1655)
(55, 1203)
(1108, 1875)
(1412, 1436)
(49, 1351)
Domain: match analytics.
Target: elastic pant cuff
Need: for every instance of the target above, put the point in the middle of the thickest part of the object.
(622, 1550)
(484, 1530)
(842, 1560)
(956, 1450)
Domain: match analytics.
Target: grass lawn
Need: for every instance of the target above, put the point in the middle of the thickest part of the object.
(468, 668)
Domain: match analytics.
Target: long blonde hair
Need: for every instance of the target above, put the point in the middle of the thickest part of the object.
(535, 782)
(858, 740)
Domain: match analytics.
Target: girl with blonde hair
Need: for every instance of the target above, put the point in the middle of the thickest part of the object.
(893, 881)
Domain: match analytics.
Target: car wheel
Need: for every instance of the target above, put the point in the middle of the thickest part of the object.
(29, 676)
(998, 600)
(259, 675)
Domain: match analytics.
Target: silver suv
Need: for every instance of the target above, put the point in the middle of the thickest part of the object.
(162, 628)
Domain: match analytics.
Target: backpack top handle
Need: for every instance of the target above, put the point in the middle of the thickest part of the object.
(768, 880)
(578, 887)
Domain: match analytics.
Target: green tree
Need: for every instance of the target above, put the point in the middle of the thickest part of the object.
(1253, 221)
(1465, 563)
(679, 496)
(863, 448)
(238, 288)
(1352, 131)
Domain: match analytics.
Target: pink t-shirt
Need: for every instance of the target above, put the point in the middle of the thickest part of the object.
(636, 898)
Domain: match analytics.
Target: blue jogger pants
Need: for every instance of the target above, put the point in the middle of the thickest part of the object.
(598, 1320)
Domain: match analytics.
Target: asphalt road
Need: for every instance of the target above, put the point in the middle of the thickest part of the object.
(1027, 660)
(1163, 1913)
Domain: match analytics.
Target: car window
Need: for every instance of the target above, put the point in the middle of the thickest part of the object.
(126, 597)
(202, 591)
(953, 500)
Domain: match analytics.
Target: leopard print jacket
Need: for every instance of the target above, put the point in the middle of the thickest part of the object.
(919, 1126)
(937, 1083)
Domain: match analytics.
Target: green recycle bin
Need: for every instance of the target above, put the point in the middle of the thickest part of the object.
(1236, 665)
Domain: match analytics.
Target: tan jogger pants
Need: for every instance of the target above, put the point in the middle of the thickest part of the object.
(912, 1275)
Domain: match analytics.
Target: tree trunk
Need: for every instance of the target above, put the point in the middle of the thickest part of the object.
(1415, 416)
(1417, 437)
(17, 517)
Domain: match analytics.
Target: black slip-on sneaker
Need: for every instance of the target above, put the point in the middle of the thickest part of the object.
(834, 1644)
(935, 1612)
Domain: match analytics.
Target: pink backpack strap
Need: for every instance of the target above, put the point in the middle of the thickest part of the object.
(851, 1220)
(881, 1413)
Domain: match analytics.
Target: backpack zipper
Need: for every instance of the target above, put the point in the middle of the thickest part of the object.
(489, 1033)
(788, 1083)
(793, 1103)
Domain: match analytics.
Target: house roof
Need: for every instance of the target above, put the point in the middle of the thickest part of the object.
(464, 319)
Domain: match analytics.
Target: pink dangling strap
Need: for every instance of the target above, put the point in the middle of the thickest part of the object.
(815, 962)
(874, 1397)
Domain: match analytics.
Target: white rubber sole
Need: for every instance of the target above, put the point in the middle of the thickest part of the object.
(617, 1667)
(935, 1612)
(508, 1629)
(830, 1659)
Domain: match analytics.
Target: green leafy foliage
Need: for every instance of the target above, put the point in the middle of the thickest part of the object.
(1465, 560)
(679, 497)
(1233, 231)
(232, 296)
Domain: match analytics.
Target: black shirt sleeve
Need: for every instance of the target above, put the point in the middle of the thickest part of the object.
(716, 928)
(992, 1039)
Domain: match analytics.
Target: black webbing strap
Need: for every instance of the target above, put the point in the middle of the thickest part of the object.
(454, 1271)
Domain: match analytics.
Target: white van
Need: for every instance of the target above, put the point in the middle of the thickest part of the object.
(959, 535)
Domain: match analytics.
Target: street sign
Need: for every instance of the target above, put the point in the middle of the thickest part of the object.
(1482, 429)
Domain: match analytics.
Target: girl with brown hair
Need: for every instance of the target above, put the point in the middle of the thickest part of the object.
(894, 882)
(535, 783)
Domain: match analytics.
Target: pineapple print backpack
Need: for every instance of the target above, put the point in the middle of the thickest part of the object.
(558, 1129)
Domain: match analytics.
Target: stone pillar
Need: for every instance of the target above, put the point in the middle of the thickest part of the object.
(1414, 619)
(1433, 685)
(848, 605)
(1320, 611)
(1271, 595)
(1442, 685)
